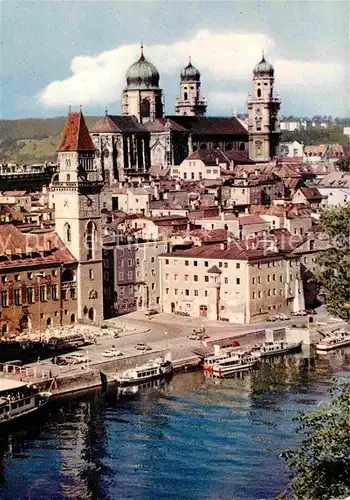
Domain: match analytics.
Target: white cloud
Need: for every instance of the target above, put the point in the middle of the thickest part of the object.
(100, 79)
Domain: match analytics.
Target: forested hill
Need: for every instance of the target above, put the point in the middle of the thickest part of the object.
(32, 140)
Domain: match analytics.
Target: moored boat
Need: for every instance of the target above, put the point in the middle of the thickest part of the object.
(18, 399)
(275, 348)
(220, 354)
(339, 338)
(239, 362)
(159, 368)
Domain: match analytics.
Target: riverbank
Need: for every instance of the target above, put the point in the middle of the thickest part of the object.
(150, 444)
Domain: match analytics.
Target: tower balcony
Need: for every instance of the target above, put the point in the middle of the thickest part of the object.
(81, 186)
(191, 102)
(263, 100)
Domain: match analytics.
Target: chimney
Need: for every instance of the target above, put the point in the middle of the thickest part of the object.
(222, 246)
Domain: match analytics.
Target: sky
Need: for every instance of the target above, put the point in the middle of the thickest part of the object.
(57, 54)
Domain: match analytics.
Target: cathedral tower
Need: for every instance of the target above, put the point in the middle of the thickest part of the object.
(78, 214)
(190, 102)
(142, 96)
(263, 108)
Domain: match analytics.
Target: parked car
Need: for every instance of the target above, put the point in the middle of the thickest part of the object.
(298, 313)
(141, 346)
(193, 336)
(79, 358)
(271, 318)
(111, 353)
(151, 312)
(282, 317)
(62, 360)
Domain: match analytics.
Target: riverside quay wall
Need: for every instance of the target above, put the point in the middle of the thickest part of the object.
(84, 378)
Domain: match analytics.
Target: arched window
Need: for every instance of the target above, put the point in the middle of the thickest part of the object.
(228, 146)
(90, 238)
(145, 108)
(3, 330)
(72, 318)
(242, 146)
(48, 322)
(91, 313)
(67, 233)
(185, 96)
(259, 92)
(203, 146)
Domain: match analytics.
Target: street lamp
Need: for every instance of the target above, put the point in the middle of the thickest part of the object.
(39, 275)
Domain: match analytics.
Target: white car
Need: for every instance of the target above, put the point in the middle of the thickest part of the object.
(79, 358)
(111, 353)
(282, 317)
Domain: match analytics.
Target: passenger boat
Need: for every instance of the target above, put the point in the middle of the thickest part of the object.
(239, 362)
(220, 354)
(158, 368)
(275, 348)
(339, 338)
(18, 399)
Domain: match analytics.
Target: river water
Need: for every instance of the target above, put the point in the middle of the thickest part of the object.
(192, 438)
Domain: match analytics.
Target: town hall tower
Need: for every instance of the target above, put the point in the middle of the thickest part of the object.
(78, 214)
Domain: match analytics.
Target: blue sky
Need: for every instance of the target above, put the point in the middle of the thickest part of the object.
(61, 53)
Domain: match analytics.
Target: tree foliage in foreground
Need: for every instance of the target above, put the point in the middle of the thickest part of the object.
(343, 164)
(334, 263)
(321, 465)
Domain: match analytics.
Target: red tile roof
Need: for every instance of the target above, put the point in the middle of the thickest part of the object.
(14, 193)
(210, 125)
(205, 235)
(117, 124)
(17, 248)
(312, 193)
(252, 249)
(163, 124)
(210, 157)
(246, 220)
(76, 136)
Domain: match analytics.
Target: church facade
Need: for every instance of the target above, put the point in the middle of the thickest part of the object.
(128, 145)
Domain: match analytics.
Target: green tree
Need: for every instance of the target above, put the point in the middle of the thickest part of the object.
(343, 164)
(321, 464)
(334, 263)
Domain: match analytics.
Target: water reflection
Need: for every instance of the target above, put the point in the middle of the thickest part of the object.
(197, 436)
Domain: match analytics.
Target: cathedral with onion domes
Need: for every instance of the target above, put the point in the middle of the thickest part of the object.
(142, 140)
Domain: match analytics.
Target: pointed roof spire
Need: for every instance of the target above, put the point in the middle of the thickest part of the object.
(142, 58)
(106, 111)
(76, 136)
(189, 60)
(263, 55)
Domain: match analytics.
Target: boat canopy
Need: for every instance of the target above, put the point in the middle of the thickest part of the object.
(9, 384)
